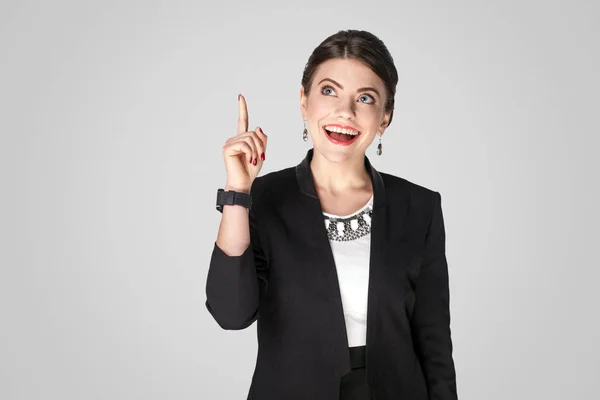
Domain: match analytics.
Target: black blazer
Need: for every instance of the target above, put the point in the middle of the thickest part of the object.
(286, 280)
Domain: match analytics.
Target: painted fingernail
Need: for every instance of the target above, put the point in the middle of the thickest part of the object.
(255, 160)
(262, 156)
(250, 161)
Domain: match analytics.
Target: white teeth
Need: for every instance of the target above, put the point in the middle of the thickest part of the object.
(341, 130)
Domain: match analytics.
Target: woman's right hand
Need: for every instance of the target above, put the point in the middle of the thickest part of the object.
(244, 153)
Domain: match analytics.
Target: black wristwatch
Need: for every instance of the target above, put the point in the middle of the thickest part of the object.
(231, 197)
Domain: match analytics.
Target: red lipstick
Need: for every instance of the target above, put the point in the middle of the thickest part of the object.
(340, 142)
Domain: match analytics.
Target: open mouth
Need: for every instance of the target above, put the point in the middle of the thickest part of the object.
(341, 138)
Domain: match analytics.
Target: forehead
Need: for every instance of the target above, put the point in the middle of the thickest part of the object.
(348, 72)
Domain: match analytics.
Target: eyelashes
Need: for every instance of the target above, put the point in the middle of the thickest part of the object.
(325, 87)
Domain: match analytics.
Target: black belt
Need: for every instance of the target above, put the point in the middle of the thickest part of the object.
(358, 356)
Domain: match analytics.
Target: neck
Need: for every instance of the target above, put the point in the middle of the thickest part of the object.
(339, 177)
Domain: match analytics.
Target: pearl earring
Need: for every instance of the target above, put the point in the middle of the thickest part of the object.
(379, 147)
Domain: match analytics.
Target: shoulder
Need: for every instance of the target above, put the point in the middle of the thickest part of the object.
(424, 203)
(276, 180)
(399, 186)
(282, 183)
(274, 185)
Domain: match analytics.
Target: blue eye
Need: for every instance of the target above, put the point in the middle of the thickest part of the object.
(369, 97)
(326, 87)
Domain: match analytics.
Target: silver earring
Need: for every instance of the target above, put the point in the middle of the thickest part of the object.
(305, 133)
(379, 147)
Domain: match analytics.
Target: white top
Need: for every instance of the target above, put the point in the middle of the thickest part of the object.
(351, 245)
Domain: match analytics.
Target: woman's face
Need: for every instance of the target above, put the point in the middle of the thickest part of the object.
(344, 94)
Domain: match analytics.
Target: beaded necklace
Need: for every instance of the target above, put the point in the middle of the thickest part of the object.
(351, 227)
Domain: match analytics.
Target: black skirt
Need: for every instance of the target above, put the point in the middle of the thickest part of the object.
(353, 386)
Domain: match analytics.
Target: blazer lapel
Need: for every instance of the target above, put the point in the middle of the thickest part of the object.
(377, 263)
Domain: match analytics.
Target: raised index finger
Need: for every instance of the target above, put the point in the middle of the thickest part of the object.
(243, 115)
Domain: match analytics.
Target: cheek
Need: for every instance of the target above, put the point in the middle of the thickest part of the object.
(369, 115)
(368, 111)
(320, 105)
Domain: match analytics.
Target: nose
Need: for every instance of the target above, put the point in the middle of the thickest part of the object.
(345, 108)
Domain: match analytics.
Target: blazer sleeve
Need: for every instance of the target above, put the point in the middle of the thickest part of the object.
(431, 314)
(234, 283)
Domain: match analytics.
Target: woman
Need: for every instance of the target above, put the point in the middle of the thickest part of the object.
(342, 267)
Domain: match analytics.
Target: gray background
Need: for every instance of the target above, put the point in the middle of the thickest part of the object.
(113, 115)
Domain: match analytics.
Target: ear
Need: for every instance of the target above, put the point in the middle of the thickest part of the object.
(303, 103)
(384, 122)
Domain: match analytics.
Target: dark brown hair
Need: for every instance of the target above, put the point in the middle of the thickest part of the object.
(359, 45)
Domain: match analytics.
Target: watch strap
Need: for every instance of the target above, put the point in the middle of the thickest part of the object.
(231, 197)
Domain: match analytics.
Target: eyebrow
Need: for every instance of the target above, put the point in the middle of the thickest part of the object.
(359, 89)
